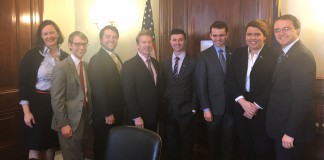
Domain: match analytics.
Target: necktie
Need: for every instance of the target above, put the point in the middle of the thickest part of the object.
(222, 60)
(82, 83)
(148, 61)
(281, 57)
(116, 60)
(175, 67)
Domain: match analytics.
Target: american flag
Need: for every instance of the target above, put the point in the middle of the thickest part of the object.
(148, 23)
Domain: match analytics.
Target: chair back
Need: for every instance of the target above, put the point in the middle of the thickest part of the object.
(132, 143)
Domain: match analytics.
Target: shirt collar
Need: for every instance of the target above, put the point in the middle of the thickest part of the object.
(106, 50)
(286, 48)
(257, 52)
(46, 51)
(218, 48)
(143, 58)
(181, 56)
(75, 60)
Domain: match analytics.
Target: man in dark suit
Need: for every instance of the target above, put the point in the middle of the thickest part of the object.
(210, 79)
(180, 99)
(290, 105)
(71, 99)
(107, 95)
(140, 79)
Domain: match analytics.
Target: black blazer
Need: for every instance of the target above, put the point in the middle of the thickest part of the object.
(178, 93)
(210, 80)
(290, 104)
(107, 92)
(260, 76)
(28, 72)
(140, 92)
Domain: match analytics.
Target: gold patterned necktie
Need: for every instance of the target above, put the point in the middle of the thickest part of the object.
(117, 62)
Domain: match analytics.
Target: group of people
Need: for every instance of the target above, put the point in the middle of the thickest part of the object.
(259, 93)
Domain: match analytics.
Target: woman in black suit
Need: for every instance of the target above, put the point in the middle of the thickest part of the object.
(34, 90)
(248, 82)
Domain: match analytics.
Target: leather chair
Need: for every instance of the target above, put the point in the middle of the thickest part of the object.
(132, 143)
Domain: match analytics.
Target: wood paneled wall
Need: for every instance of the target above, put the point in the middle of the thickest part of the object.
(19, 20)
(196, 16)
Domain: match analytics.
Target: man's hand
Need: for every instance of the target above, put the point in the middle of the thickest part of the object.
(287, 141)
(29, 119)
(247, 115)
(110, 119)
(208, 116)
(139, 122)
(249, 108)
(66, 131)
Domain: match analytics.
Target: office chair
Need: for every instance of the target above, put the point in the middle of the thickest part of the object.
(132, 143)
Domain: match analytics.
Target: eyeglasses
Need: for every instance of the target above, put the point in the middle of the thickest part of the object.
(81, 44)
(285, 29)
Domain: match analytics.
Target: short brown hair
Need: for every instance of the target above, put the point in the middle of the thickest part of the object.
(261, 25)
(178, 31)
(294, 19)
(218, 25)
(144, 33)
(110, 27)
(77, 33)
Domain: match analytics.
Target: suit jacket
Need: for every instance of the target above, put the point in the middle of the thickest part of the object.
(106, 87)
(260, 76)
(140, 92)
(289, 110)
(67, 96)
(210, 80)
(179, 93)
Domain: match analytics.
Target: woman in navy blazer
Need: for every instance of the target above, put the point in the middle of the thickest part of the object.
(249, 79)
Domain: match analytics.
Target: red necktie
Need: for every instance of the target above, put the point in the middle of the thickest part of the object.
(82, 83)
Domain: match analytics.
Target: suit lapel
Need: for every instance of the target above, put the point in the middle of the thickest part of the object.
(143, 67)
(156, 68)
(73, 70)
(259, 59)
(244, 60)
(169, 66)
(228, 55)
(284, 60)
(213, 55)
(107, 58)
(183, 66)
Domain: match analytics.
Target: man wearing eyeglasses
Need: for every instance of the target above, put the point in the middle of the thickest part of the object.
(71, 99)
(289, 111)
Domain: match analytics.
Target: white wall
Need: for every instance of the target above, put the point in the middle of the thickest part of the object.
(62, 13)
(73, 15)
(311, 15)
(79, 15)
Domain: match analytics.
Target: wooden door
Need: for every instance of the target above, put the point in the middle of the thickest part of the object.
(19, 20)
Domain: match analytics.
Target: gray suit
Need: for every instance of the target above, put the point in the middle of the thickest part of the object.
(67, 102)
(210, 82)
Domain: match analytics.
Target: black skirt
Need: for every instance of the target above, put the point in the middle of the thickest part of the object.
(41, 136)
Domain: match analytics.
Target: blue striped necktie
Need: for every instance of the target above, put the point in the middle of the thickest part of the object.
(175, 68)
